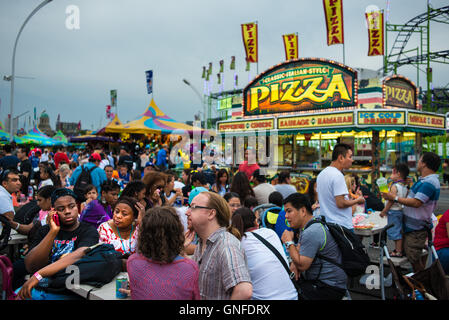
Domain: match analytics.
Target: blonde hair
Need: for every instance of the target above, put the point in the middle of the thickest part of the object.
(223, 212)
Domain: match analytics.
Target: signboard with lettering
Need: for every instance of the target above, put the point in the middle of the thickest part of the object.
(400, 92)
(302, 84)
(426, 120)
(383, 118)
(317, 121)
(250, 125)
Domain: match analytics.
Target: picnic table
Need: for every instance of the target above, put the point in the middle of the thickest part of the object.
(106, 292)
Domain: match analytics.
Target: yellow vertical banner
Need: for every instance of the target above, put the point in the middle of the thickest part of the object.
(249, 34)
(375, 23)
(333, 10)
(291, 46)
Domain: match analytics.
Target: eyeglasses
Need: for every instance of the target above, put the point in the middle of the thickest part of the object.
(198, 207)
(235, 205)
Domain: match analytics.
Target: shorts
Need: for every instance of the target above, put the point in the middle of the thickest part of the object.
(395, 217)
(414, 243)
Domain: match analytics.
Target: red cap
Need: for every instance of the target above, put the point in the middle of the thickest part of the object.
(95, 156)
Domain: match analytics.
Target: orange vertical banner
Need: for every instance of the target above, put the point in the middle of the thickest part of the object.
(333, 10)
(375, 22)
(291, 46)
(249, 34)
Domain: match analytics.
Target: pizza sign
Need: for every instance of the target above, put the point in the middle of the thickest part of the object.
(298, 85)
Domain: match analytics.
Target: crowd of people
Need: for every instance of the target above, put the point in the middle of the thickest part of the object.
(197, 234)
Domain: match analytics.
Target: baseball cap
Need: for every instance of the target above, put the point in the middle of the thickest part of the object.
(196, 192)
(95, 156)
(149, 164)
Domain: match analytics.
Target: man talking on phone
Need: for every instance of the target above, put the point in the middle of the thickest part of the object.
(70, 238)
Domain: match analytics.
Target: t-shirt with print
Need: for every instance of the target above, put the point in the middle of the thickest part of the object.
(331, 183)
(427, 190)
(314, 239)
(67, 241)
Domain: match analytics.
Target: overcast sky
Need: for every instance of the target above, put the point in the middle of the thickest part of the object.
(74, 70)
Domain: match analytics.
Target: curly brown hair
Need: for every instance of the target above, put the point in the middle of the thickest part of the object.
(150, 180)
(161, 234)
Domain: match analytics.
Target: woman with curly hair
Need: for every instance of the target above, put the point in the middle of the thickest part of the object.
(240, 185)
(155, 182)
(158, 271)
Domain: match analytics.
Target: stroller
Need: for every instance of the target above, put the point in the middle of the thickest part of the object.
(428, 284)
(268, 214)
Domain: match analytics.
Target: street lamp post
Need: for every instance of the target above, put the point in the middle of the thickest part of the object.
(11, 136)
(201, 99)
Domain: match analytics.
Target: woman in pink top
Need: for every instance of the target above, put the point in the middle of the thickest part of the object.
(441, 241)
(158, 271)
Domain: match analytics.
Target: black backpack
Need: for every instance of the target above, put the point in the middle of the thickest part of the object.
(82, 182)
(96, 268)
(27, 213)
(355, 259)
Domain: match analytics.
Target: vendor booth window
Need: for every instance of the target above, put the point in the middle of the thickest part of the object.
(285, 150)
(307, 151)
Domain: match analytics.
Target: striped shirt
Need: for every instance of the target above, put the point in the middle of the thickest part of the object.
(222, 265)
(427, 190)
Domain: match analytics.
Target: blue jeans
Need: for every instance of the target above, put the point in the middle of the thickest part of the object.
(443, 255)
(42, 295)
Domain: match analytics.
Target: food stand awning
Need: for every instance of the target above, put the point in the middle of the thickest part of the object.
(153, 120)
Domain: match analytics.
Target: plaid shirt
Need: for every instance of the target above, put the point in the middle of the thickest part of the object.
(222, 265)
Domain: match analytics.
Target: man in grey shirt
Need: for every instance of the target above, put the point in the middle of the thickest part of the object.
(284, 186)
(320, 279)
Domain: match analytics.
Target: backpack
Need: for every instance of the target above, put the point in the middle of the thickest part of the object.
(96, 268)
(355, 259)
(6, 271)
(27, 212)
(82, 182)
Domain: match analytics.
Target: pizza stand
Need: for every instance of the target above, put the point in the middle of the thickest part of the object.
(310, 104)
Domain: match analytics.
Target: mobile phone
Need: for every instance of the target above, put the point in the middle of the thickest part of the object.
(55, 218)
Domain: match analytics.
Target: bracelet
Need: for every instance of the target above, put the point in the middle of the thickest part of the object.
(38, 276)
(18, 226)
(289, 243)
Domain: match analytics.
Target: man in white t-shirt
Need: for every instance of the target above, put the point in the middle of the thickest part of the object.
(262, 189)
(10, 183)
(333, 195)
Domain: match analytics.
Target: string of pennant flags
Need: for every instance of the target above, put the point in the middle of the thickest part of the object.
(333, 11)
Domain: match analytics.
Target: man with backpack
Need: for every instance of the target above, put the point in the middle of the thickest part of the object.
(320, 278)
(88, 173)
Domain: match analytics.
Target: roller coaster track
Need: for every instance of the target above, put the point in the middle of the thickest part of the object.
(397, 51)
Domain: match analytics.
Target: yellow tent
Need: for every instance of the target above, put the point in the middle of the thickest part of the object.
(153, 120)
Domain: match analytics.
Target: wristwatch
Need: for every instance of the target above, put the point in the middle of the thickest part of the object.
(396, 199)
(289, 243)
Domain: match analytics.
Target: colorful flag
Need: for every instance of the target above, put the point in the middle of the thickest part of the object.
(114, 98)
(219, 78)
(375, 21)
(236, 80)
(204, 73)
(247, 65)
(59, 118)
(149, 76)
(333, 10)
(232, 67)
(79, 125)
(249, 34)
(291, 46)
(221, 66)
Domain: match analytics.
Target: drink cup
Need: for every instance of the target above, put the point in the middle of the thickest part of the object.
(121, 283)
(382, 183)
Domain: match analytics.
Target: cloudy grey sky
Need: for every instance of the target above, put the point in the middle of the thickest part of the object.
(119, 40)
